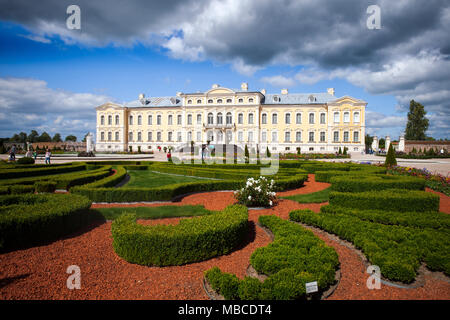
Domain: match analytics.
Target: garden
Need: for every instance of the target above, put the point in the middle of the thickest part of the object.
(157, 230)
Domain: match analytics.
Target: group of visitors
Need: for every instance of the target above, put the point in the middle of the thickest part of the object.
(13, 150)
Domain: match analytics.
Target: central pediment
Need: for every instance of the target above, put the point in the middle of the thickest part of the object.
(220, 90)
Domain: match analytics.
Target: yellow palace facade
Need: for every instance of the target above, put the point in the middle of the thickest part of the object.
(283, 122)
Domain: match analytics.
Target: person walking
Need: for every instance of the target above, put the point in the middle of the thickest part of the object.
(48, 154)
(34, 155)
(12, 153)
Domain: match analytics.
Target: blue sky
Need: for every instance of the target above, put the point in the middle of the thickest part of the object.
(52, 78)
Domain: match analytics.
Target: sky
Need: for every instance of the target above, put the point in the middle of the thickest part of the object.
(53, 77)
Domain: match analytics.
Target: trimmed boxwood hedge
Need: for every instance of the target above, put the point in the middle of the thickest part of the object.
(390, 200)
(375, 183)
(39, 171)
(295, 257)
(27, 220)
(19, 189)
(45, 186)
(192, 240)
(397, 250)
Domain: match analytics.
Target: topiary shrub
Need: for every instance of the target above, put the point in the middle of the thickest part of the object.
(390, 157)
(20, 189)
(25, 160)
(45, 186)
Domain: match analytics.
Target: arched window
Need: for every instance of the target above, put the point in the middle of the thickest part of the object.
(149, 136)
(199, 119)
(139, 136)
(322, 136)
(117, 120)
(158, 119)
(336, 117)
(131, 120)
(219, 101)
(346, 116)
(158, 136)
(102, 136)
(356, 117)
(130, 136)
(322, 118)
(109, 136)
(219, 118)
(150, 119)
(298, 136)
(199, 101)
(116, 136)
(274, 118)
(179, 119)
(139, 120)
(287, 118)
(287, 136)
(346, 136)
(229, 118)
(264, 118)
(240, 118)
(169, 119)
(311, 137)
(210, 118)
(229, 100)
(102, 120)
(250, 118)
(311, 118)
(189, 122)
(219, 136)
(210, 101)
(250, 100)
(241, 100)
(109, 120)
(189, 101)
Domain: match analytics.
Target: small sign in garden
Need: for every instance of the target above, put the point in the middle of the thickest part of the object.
(311, 287)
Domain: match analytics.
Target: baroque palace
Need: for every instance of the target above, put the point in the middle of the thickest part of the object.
(284, 122)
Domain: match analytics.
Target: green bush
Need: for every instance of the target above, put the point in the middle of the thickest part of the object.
(19, 189)
(38, 171)
(295, 257)
(390, 200)
(192, 240)
(375, 183)
(45, 186)
(4, 190)
(27, 220)
(25, 160)
(390, 157)
(397, 250)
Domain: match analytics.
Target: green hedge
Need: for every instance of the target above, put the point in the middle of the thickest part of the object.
(45, 186)
(375, 183)
(192, 240)
(27, 220)
(40, 171)
(295, 257)
(390, 200)
(25, 160)
(20, 189)
(397, 250)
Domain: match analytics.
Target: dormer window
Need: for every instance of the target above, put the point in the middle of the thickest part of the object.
(311, 98)
(199, 101)
(250, 100)
(229, 100)
(276, 99)
(219, 101)
(241, 100)
(210, 101)
(189, 101)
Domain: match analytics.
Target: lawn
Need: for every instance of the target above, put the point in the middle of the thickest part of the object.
(150, 179)
(315, 197)
(155, 212)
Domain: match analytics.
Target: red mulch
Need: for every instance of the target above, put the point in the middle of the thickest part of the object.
(444, 204)
(40, 272)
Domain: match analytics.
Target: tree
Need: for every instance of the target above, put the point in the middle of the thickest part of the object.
(71, 138)
(268, 154)
(22, 137)
(417, 124)
(368, 140)
(57, 138)
(390, 157)
(44, 137)
(345, 150)
(84, 139)
(33, 136)
(246, 154)
(382, 143)
(340, 150)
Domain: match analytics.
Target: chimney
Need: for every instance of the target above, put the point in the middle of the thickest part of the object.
(244, 86)
(330, 91)
(284, 91)
(263, 91)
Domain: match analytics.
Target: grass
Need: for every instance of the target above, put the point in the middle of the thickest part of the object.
(150, 179)
(155, 212)
(315, 197)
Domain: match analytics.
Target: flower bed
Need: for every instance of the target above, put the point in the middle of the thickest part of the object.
(257, 193)
(436, 182)
(308, 156)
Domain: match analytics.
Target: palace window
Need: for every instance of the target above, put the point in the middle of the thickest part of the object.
(345, 136)
(210, 136)
(158, 136)
(274, 136)
(336, 117)
(179, 119)
(311, 118)
(117, 120)
(311, 137)
(356, 136)
(210, 101)
(150, 119)
(189, 101)
(240, 118)
(199, 101)
(229, 100)
(219, 118)
(116, 136)
(274, 118)
(199, 136)
(298, 118)
(109, 120)
(298, 136)
(356, 117)
(219, 136)
(264, 118)
(149, 136)
(322, 136)
(250, 118)
(169, 119)
(241, 100)
(139, 120)
(322, 118)
(240, 136)
(264, 137)
(287, 118)
(346, 116)
(210, 118)
(219, 101)
(139, 136)
(250, 136)
(131, 120)
(250, 100)
(109, 136)
(130, 136)
(189, 136)
(229, 118)
(158, 119)
(178, 136)
(102, 120)
(336, 136)
(102, 136)
(189, 120)
(169, 136)
(287, 136)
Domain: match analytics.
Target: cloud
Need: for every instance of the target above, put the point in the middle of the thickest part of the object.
(279, 81)
(29, 104)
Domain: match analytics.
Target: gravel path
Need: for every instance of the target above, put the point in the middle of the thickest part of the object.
(40, 272)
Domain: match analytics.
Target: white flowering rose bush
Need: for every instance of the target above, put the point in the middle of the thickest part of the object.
(257, 193)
